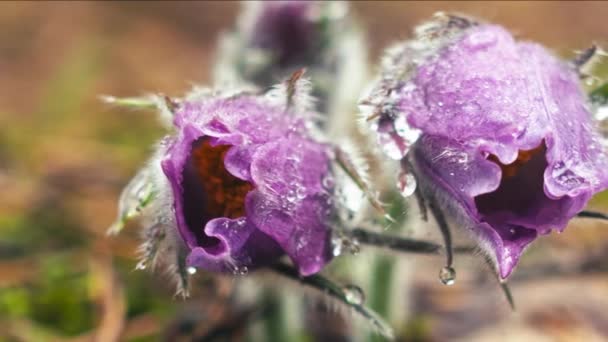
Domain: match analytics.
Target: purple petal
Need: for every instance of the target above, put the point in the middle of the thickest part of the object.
(227, 147)
(241, 120)
(238, 161)
(239, 244)
(291, 204)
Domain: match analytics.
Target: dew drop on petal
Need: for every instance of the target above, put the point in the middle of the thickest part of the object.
(447, 276)
(406, 183)
(567, 179)
(328, 182)
(480, 40)
(404, 130)
(353, 294)
(291, 196)
(300, 192)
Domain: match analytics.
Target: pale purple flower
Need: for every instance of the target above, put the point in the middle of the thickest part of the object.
(499, 132)
(275, 38)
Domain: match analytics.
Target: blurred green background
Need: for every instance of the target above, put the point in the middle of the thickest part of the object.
(64, 157)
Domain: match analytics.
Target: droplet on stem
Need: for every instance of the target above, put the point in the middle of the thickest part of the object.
(406, 183)
(447, 276)
(353, 294)
(243, 270)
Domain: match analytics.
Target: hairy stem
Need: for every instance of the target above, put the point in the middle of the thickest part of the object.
(334, 291)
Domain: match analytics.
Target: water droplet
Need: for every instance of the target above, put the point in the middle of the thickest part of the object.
(291, 196)
(300, 192)
(406, 183)
(140, 265)
(592, 81)
(337, 249)
(353, 294)
(243, 270)
(337, 245)
(191, 270)
(481, 39)
(565, 177)
(404, 130)
(392, 146)
(328, 182)
(447, 276)
(471, 108)
(354, 247)
(601, 113)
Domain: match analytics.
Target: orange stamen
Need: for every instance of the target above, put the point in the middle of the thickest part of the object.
(510, 170)
(225, 193)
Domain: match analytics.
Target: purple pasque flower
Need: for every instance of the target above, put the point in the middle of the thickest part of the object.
(246, 179)
(287, 30)
(499, 132)
(240, 183)
(275, 38)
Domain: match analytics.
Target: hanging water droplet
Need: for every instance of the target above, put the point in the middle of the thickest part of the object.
(592, 81)
(601, 113)
(141, 265)
(406, 183)
(337, 250)
(337, 246)
(447, 276)
(191, 270)
(243, 270)
(353, 294)
(404, 130)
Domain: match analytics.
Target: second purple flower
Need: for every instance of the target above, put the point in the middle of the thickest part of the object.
(500, 132)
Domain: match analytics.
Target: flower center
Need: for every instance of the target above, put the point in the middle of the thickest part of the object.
(225, 193)
(523, 157)
(210, 191)
(521, 188)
